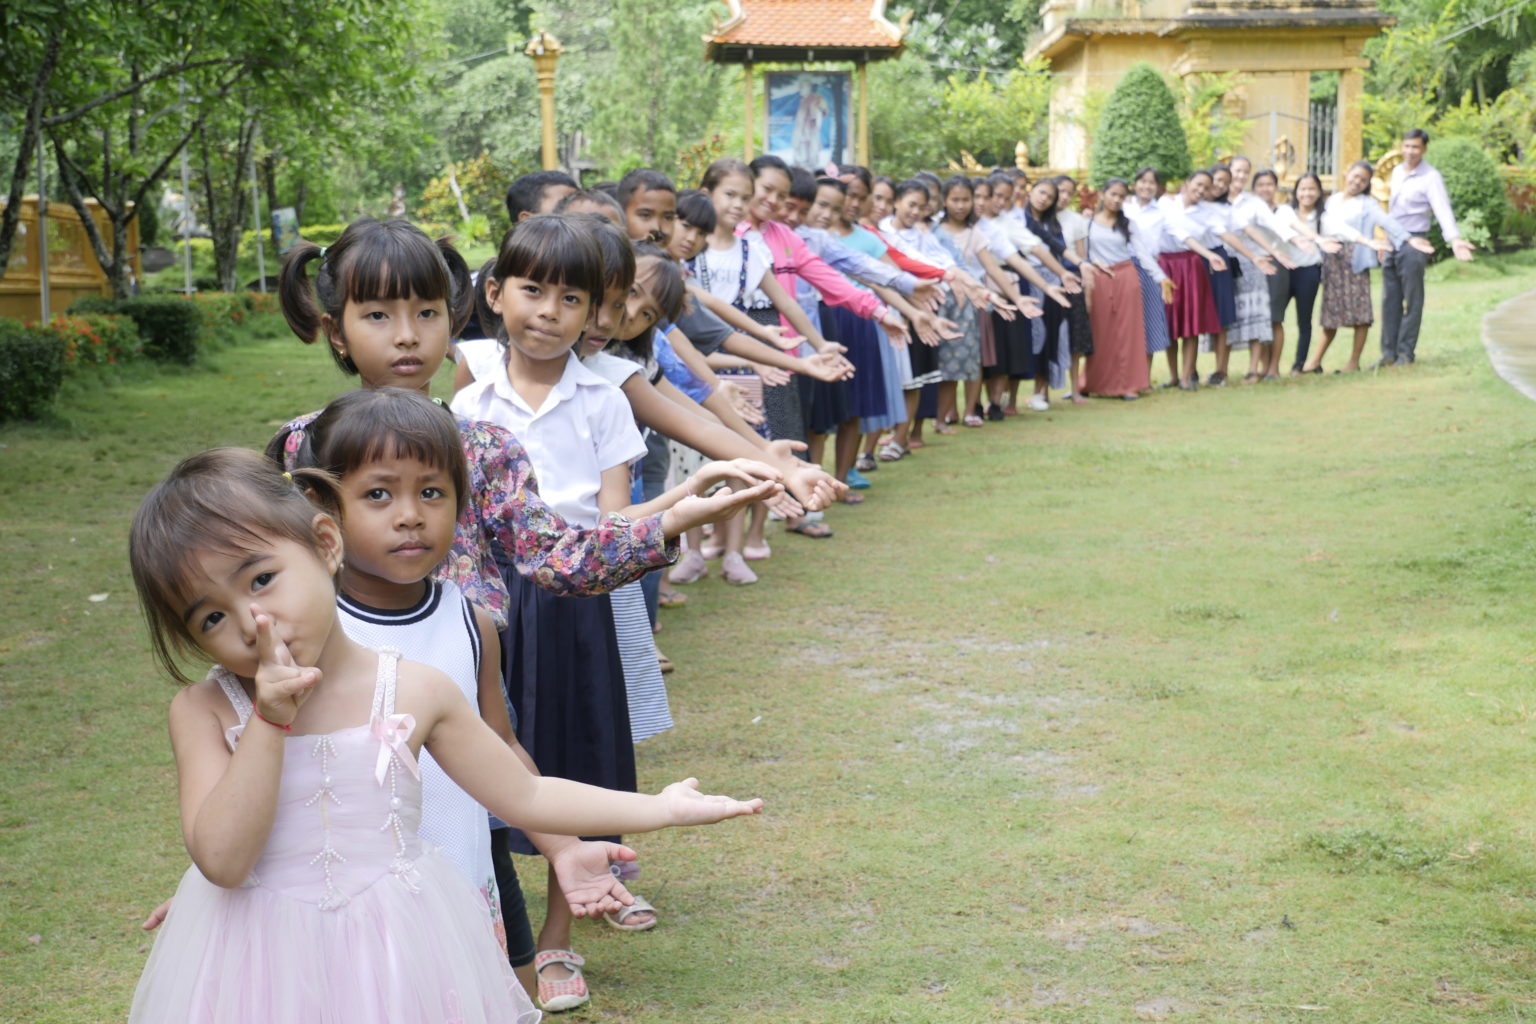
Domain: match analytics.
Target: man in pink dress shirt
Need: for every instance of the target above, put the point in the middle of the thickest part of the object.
(1418, 191)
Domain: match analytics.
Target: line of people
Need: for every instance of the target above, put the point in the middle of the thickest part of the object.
(636, 364)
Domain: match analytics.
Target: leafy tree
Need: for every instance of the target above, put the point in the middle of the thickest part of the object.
(1208, 131)
(1476, 190)
(1140, 127)
(989, 119)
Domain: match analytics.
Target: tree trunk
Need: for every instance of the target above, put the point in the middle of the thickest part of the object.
(27, 153)
(269, 182)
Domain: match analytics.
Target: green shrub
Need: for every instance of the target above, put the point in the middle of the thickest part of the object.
(95, 339)
(31, 370)
(1477, 192)
(1140, 128)
(168, 325)
(95, 304)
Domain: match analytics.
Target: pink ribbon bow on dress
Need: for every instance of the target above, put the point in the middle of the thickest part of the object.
(392, 733)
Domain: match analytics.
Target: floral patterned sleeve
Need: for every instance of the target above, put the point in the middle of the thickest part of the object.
(559, 557)
(504, 507)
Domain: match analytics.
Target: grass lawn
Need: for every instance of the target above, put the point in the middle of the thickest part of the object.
(1208, 707)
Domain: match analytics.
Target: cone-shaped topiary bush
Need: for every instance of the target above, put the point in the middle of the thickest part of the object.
(1139, 128)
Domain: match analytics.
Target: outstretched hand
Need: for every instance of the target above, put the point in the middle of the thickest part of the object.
(281, 684)
(933, 329)
(591, 889)
(736, 472)
(1030, 307)
(927, 294)
(695, 511)
(687, 806)
(1058, 296)
(828, 367)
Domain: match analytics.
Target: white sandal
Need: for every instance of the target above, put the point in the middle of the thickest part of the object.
(619, 918)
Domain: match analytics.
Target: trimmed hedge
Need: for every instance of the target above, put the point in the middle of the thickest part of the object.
(168, 325)
(31, 370)
(1477, 192)
(95, 339)
(1140, 128)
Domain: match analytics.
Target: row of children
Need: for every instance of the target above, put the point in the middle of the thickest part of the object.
(738, 325)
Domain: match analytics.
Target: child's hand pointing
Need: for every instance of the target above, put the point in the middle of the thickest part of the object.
(281, 685)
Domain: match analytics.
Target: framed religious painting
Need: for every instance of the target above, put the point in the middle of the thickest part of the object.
(809, 119)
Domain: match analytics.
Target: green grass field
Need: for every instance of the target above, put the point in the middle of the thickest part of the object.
(1208, 707)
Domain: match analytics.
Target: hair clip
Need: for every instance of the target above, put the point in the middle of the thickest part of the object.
(439, 402)
(323, 250)
(288, 477)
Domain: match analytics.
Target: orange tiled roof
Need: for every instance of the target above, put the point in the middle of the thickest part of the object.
(813, 24)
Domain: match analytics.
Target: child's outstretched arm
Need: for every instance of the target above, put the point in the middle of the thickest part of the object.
(228, 800)
(484, 767)
(581, 867)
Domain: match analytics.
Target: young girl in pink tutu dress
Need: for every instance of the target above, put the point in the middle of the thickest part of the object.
(311, 898)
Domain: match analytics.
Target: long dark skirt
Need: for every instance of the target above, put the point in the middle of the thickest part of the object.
(781, 403)
(866, 346)
(565, 682)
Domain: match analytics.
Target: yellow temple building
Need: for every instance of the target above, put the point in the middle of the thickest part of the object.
(1275, 45)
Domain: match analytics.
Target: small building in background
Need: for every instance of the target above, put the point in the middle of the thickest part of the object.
(1276, 45)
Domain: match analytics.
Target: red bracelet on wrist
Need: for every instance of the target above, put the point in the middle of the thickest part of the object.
(278, 725)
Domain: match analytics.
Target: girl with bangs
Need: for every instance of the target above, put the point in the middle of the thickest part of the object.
(564, 669)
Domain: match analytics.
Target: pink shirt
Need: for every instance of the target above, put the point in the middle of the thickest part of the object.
(792, 259)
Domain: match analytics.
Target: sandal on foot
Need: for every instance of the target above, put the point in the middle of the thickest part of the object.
(735, 570)
(913, 444)
(568, 993)
(671, 599)
(689, 569)
(664, 663)
(810, 528)
(858, 481)
(974, 420)
(852, 498)
(757, 552)
(890, 452)
(620, 918)
(866, 464)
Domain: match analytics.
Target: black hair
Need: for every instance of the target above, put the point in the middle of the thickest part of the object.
(837, 183)
(802, 185)
(1418, 134)
(220, 500)
(1122, 222)
(910, 185)
(723, 168)
(1064, 179)
(607, 187)
(1225, 197)
(368, 424)
(642, 180)
(526, 193)
(858, 171)
(1157, 175)
(952, 183)
(997, 178)
(372, 260)
(768, 162)
(1321, 193)
(695, 209)
(1265, 173)
(618, 254)
(593, 196)
(663, 276)
(1048, 219)
(551, 249)
(881, 179)
(487, 317)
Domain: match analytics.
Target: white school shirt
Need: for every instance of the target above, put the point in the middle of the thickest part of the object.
(481, 355)
(1244, 210)
(1105, 244)
(917, 244)
(1074, 227)
(1284, 226)
(584, 426)
(1007, 236)
(718, 271)
(1341, 212)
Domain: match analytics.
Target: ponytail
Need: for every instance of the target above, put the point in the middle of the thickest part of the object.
(295, 295)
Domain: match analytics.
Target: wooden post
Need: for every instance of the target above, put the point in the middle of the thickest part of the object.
(863, 157)
(545, 51)
(749, 133)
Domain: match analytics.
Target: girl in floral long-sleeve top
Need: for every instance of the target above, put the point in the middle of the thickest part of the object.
(380, 287)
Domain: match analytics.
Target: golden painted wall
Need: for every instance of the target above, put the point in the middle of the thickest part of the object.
(72, 267)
